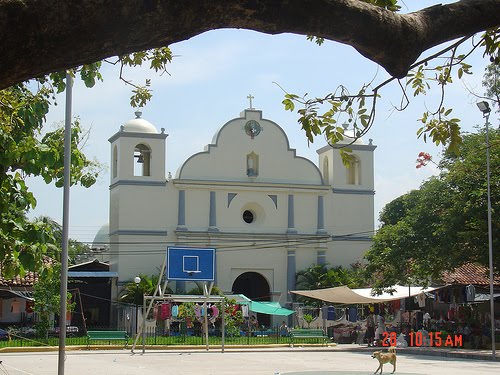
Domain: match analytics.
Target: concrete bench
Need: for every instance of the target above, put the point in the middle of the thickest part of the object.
(301, 333)
(107, 336)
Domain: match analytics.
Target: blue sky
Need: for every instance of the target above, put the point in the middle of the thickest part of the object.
(208, 85)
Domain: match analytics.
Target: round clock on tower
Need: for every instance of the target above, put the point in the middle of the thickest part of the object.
(252, 128)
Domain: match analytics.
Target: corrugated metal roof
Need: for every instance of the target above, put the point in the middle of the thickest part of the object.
(92, 274)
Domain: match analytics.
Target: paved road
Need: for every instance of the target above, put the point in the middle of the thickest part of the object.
(289, 361)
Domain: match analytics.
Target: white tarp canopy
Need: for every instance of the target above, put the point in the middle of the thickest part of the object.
(345, 295)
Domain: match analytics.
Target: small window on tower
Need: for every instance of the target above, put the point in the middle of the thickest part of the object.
(142, 158)
(353, 170)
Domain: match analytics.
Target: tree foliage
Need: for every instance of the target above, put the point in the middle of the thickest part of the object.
(79, 37)
(320, 276)
(443, 224)
(25, 150)
(75, 248)
(491, 81)
(324, 115)
(46, 295)
(133, 293)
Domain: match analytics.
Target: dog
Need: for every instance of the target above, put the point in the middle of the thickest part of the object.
(388, 357)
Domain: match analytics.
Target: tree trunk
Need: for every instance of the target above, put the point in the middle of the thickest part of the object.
(42, 36)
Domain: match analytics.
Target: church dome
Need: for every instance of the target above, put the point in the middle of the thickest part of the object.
(139, 125)
(350, 136)
(101, 239)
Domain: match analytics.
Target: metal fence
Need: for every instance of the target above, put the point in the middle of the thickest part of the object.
(175, 335)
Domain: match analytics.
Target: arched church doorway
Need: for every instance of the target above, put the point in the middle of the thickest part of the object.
(254, 286)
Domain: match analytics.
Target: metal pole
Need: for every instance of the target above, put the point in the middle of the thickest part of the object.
(223, 308)
(136, 328)
(490, 239)
(65, 226)
(143, 323)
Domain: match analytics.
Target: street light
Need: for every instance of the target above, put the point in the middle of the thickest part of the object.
(137, 280)
(485, 109)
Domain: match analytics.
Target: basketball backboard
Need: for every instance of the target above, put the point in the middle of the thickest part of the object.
(190, 264)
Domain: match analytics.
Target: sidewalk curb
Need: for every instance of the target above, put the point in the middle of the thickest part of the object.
(482, 355)
(457, 353)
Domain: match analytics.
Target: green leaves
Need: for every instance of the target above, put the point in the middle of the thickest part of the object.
(386, 4)
(418, 81)
(443, 224)
(288, 102)
(441, 130)
(46, 294)
(316, 39)
(321, 116)
(89, 73)
(491, 44)
(24, 152)
(158, 59)
(319, 276)
(141, 95)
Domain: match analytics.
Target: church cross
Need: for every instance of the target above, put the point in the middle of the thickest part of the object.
(250, 97)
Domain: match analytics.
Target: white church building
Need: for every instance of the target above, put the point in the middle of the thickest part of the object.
(267, 211)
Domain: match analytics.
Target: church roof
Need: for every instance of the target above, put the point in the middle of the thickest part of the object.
(264, 150)
(29, 278)
(139, 125)
(470, 273)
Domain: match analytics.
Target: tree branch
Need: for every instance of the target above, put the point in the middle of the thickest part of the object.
(39, 37)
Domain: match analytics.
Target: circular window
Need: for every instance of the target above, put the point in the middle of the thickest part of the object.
(248, 216)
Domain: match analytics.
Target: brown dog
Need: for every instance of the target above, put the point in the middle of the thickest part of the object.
(389, 357)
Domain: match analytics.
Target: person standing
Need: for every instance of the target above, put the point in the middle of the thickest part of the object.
(370, 329)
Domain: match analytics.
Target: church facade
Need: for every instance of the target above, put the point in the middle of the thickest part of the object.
(267, 211)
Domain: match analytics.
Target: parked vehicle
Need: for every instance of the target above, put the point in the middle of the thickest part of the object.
(70, 331)
(4, 335)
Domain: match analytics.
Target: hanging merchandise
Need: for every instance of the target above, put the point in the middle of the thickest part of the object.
(244, 310)
(353, 314)
(421, 300)
(470, 292)
(175, 311)
(166, 311)
(396, 305)
(366, 310)
(215, 314)
(331, 313)
(324, 312)
(451, 314)
(199, 311)
(215, 311)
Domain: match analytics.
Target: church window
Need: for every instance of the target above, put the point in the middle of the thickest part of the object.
(252, 166)
(142, 159)
(115, 162)
(326, 172)
(248, 216)
(353, 170)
